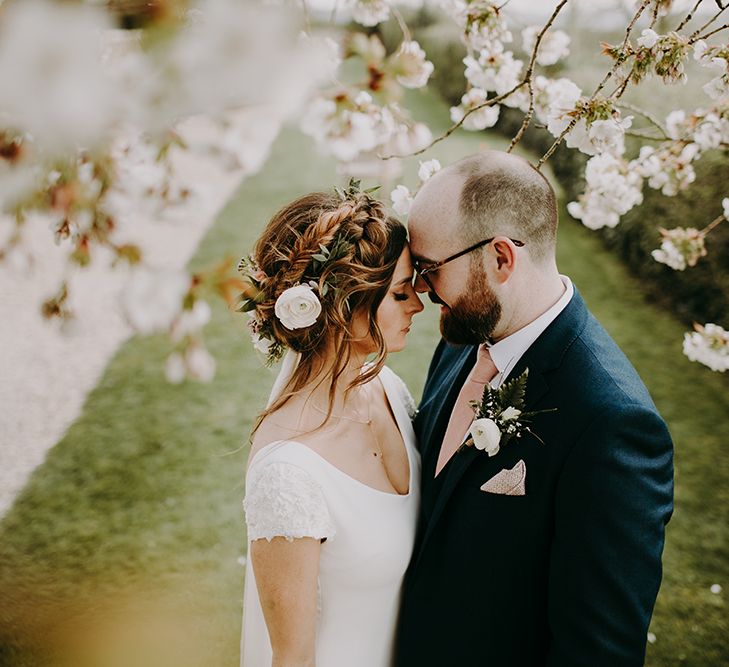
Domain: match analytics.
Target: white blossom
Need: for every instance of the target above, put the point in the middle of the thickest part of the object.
(190, 321)
(175, 370)
(199, 363)
(709, 345)
(298, 307)
(680, 248)
(667, 168)
(510, 413)
(427, 169)
(54, 84)
(612, 190)
(370, 12)
(413, 70)
(494, 69)
(152, 298)
(408, 139)
(482, 21)
(480, 119)
(402, 200)
(715, 589)
(648, 38)
(553, 96)
(725, 207)
(553, 47)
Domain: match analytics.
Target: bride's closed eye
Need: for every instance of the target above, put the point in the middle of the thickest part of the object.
(400, 297)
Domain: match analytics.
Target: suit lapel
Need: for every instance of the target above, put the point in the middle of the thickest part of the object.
(544, 354)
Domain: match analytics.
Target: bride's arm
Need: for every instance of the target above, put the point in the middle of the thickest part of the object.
(286, 577)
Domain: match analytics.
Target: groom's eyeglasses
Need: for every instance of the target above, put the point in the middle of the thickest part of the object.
(423, 268)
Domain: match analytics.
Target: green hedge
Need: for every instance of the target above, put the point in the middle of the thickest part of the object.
(698, 294)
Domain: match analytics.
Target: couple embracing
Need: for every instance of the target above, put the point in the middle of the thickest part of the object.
(517, 517)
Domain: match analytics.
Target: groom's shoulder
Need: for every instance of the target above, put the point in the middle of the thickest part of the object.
(601, 372)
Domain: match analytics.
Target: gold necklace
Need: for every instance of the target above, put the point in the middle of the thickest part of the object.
(368, 422)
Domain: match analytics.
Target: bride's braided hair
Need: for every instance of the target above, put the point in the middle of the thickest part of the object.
(354, 281)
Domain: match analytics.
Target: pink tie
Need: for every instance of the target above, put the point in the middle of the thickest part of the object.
(462, 416)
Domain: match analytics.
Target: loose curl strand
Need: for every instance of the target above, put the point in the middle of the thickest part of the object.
(358, 280)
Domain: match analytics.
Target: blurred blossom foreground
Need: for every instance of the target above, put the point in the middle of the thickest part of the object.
(121, 150)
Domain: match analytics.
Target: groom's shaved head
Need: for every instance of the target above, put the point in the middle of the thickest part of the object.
(499, 194)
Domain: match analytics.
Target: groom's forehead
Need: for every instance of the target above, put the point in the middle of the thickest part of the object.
(434, 215)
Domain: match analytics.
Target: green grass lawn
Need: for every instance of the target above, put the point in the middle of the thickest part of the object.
(123, 549)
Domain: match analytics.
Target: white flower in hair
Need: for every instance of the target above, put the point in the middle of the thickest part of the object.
(298, 307)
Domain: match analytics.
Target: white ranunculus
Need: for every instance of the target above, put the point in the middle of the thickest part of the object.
(486, 435)
(427, 169)
(401, 200)
(298, 307)
(510, 413)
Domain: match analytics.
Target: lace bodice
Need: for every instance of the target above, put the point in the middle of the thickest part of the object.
(284, 500)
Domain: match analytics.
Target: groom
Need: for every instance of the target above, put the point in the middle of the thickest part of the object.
(548, 550)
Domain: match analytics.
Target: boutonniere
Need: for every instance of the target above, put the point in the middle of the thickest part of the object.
(500, 416)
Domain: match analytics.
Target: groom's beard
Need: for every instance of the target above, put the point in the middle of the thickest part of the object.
(471, 320)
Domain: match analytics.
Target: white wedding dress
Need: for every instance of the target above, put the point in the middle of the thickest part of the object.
(291, 491)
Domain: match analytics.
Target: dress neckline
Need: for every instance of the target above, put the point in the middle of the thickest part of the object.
(397, 409)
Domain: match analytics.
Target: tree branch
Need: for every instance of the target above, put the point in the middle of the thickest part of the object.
(528, 77)
(647, 115)
(401, 22)
(695, 34)
(689, 16)
(712, 225)
(713, 32)
(494, 100)
(618, 62)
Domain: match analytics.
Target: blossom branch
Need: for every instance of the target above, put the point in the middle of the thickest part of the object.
(696, 33)
(528, 77)
(401, 22)
(713, 225)
(618, 62)
(713, 32)
(455, 126)
(689, 16)
(647, 115)
(494, 100)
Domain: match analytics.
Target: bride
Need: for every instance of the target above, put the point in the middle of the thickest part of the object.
(333, 474)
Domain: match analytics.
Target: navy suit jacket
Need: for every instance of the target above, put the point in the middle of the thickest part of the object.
(567, 574)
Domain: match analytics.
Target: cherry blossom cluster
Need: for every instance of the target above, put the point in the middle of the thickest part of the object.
(92, 148)
(709, 345)
(402, 197)
(680, 247)
(347, 122)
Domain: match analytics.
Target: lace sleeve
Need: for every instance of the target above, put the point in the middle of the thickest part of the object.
(283, 500)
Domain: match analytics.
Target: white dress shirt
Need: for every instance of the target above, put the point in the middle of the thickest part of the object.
(507, 352)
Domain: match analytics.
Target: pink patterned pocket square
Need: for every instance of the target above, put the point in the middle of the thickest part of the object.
(508, 482)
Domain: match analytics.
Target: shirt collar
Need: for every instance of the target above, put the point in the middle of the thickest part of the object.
(507, 352)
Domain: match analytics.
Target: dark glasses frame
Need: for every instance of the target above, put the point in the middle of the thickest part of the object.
(423, 271)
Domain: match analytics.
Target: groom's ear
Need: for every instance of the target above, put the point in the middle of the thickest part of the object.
(504, 252)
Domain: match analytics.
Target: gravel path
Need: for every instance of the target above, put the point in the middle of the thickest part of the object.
(45, 375)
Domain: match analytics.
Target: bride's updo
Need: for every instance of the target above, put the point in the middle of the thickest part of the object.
(339, 250)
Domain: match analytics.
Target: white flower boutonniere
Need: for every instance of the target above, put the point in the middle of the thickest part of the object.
(500, 416)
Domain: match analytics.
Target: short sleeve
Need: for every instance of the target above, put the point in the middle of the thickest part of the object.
(283, 500)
